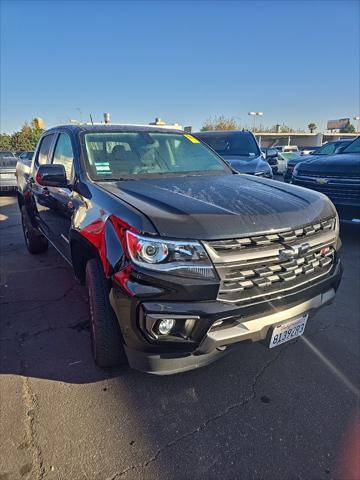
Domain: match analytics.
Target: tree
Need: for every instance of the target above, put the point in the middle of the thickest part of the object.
(312, 126)
(348, 129)
(5, 141)
(220, 123)
(25, 139)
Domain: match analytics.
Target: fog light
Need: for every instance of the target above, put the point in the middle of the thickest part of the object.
(165, 326)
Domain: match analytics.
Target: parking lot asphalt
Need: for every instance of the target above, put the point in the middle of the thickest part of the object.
(287, 413)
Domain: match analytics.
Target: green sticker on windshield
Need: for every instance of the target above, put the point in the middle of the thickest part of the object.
(102, 166)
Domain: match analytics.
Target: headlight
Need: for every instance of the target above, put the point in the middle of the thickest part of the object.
(177, 257)
(337, 225)
(264, 173)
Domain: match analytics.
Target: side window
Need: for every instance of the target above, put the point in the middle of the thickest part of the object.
(64, 154)
(329, 148)
(43, 156)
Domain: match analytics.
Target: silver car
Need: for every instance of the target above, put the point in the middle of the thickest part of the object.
(7, 171)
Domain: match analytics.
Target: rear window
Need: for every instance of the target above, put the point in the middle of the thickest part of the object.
(8, 162)
(6, 154)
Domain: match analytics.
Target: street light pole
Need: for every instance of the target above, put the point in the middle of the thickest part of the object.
(357, 118)
(255, 114)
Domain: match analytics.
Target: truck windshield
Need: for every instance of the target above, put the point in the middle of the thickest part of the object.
(354, 147)
(329, 148)
(126, 155)
(241, 144)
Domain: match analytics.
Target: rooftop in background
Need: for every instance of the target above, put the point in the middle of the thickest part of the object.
(160, 123)
(305, 134)
(267, 139)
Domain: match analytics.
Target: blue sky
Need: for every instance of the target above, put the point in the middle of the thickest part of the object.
(297, 61)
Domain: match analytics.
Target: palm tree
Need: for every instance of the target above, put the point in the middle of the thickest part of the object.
(312, 126)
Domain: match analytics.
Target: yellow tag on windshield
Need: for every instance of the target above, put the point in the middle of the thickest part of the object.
(191, 138)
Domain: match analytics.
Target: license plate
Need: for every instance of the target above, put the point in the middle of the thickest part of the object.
(288, 331)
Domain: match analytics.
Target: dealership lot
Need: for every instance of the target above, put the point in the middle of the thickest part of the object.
(287, 413)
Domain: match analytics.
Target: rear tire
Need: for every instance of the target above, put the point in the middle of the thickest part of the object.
(106, 338)
(35, 242)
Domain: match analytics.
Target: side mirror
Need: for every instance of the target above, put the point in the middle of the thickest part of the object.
(339, 150)
(53, 175)
(271, 153)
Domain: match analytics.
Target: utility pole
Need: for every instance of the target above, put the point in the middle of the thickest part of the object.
(255, 114)
(357, 118)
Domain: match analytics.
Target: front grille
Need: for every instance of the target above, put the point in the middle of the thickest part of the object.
(342, 175)
(272, 264)
(301, 233)
(335, 191)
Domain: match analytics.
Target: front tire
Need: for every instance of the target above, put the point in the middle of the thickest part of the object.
(34, 241)
(106, 338)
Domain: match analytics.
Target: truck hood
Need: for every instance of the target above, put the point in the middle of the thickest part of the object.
(220, 207)
(346, 164)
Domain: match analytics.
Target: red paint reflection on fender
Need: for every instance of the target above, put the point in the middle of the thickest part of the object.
(122, 278)
(95, 234)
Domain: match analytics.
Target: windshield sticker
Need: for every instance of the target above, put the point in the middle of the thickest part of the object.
(191, 138)
(102, 167)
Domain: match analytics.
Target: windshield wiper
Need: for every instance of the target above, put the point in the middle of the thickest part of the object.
(115, 179)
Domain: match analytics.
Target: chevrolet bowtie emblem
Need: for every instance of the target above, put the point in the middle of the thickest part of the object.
(292, 252)
(322, 180)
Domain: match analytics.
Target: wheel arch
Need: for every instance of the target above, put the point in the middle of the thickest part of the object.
(81, 251)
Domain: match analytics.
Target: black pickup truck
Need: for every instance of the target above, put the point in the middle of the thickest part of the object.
(183, 258)
(337, 176)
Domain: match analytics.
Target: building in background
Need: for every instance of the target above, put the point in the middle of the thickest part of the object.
(267, 139)
(160, 123)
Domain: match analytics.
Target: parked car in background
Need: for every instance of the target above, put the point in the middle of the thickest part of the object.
(7, 171)
(307, 150)
(26, 156)
(329, 148)
(182, 257)
(283, 159)
(6, 153)
(286, 148)
(240, 149)
(337, 176)
(271, 156)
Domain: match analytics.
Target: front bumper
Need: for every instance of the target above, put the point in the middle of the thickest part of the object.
(249, 323)
(218, 343)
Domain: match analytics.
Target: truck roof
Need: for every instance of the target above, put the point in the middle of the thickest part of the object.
(98, 128)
